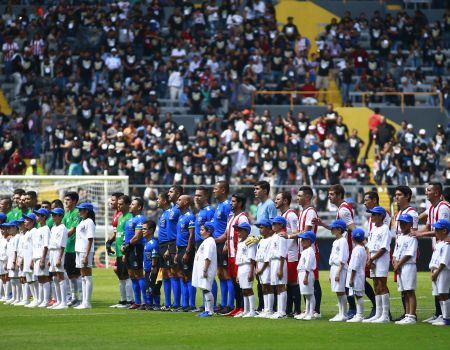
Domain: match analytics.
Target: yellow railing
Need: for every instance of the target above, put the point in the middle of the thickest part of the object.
(363, 95)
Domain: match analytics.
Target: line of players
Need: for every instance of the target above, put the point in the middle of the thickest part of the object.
(191, 250)
(46, 249)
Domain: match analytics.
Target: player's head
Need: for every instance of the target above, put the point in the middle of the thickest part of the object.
(402, 195)
(265, 227)
(31, 199)
(262, 190)
(207, 229)
(113, 200)
(406, 223)
(279, 223)
(441, 228)
(46, 205)
(283, 200)
(13, 229)
(148, 228)
(57, 203)
(42, 215)
(238, 201)
(86, 210)
(358, 235)
(23, 202)
(338, 227)
(201, 197)
(163, 200)
(17, 193)
(371, 199)
(136, 206)
(446, 194)
(57, 215)
(70, 200)
(30, 221)
(434, 192)
(378, 215)
(243, 230)
(308, 239)
(5, 205)
(304, 196)
(336, 194)
(123, 203)
(184, 202)
(221, 190)
(174, 193)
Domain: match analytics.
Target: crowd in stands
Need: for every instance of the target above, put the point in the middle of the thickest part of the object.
(92, 80)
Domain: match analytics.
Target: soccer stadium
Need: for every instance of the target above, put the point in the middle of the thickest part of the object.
(228, 173)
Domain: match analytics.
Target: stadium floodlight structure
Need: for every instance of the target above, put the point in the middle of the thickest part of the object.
(95, 189)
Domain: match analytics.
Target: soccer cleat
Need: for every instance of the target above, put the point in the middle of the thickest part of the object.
(407, 321)
(278, 315)
(249, 314)
(399, 318)
(73, 302)
(371, 319)
(308, 317)
(300, 316)
(176, 309)
(52, 302)
(21, 303)
(438, 319)
(134, 307)
(430, 319)
(186, 309)
(60, 306)
(9, 301)
(240, 314)
(232, 312)
(143, 307)
(121, 305)
(441, 322)
(164, 308)
(382, 319)
(268, 314)
(355, 319)
(339, 318)
(83, 306)
(54, 305)
(199, 309)
(44, 304)
(261, 314)
(224, 311)
(205, 314)
(317, 316)
(351, 313)
(33, 304)
(116, 306)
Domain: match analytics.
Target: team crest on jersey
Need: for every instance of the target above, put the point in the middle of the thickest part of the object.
(171, 215)
(218, 214)
(200, 220)
(162, 223)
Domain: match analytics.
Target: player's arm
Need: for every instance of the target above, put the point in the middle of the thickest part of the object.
(137, 236)
(190, 245)
(280, 269)
(377, 255)
(402, 262)
(306, 278)
(61, 254)
(318, 221)
(71, 231)
(352, 278)
(206, 267)
(222, 238)
(435, 274)
(251, 273)
(44, 256)
(338, 273)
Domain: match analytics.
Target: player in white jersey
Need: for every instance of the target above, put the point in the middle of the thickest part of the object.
(404, 262)
(440, 270)
(245, 261)
(278, 266)
(3, 219)
(283, 203)
(263, 266)
(21, 250)
(438, 210)
(29, 277)
(13, 269)
(205, 267)
(4, 237)
(56, 246)
(84, 248)
(356, 275)
(306, 267)
(338, 267)
(379, 246)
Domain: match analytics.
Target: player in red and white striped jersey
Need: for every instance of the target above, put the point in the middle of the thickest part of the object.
(237, 216)
(283, 203)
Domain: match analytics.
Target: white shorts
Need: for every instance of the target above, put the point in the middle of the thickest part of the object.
(79, 260)
(406, 279)
(358, 281)
(309, 288)
(243, 271)
(53, 258)
(274, 267)
(13, 273)
(337, 287)
(29, 277)
(381, 266)
(37, 269)
(3, 269)
(442, 284)
(264, 278)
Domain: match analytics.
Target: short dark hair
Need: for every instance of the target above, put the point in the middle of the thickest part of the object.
(58, 203)
(32, 194)
(46, 203)
(164, 195)
(446, 194)
(373, 195)
(264, 185)
(126, 199)
(286, 195)
(437, 186)
(203, 189)
(241, 198)
(338, 189)
(225, 185)
(405, 190)
(178, 189)
(117, 194)
(19, 191)
(72, 195)
(307, 190)
(151, 225)
(140, 201)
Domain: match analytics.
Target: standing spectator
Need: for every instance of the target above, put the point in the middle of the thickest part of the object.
(374, 122)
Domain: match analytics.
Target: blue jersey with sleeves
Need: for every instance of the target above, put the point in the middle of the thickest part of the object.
(205, 214)
(163, 224)
(135, 223)
(220, 218)
(151, 250)
(174, 215)
(185, 222)
(266, 210)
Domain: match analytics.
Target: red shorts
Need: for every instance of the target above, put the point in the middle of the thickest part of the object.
(316, 271)
(232, 268)
(292, 273)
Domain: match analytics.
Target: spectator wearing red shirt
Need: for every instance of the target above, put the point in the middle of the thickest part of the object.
(374, 120)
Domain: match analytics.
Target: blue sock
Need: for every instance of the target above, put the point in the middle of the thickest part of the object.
(184, 293)
(150, 299)
(157, 300)
(192, 294)
(223, 292)
(175, 281)
(230, 294)
(142, 287)
(136, 291)
(167, 291)
(214, 293)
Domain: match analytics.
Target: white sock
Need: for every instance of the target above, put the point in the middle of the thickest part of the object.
(1, 289)
(33, 290)
(73, 288)
(307, 303)
(67, 282)
(266, 302)
(62, 290)
(312, 304)
(89, 287)
(252, 302)
(246, 305)
(59, 297)
(40, 293)
(53, 292)
(270, 300)
(360, 307)
(282, 301)
(123, 290)
(379, 306)
(129, 287)
(343, 302)
(445, 306)
(79, 286)
(83, 290)
(340, 310)
(26, 293)
(208, 302)
(46, 288)
(18, 290)
(13, 289)
(7, 288)
(386, 305)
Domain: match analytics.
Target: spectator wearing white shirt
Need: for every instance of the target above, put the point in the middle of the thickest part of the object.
(175, 84)
(178, 52)
(113, 64)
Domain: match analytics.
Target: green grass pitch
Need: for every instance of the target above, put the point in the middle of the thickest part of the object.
(106, 328)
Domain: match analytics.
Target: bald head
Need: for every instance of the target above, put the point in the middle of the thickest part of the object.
(184, 202)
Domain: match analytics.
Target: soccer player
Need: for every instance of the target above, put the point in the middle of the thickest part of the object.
(125, 289)
(338, 267)
(133, 249)
(84, 248)
(305, 267)
(245, 262)
(70, 221)
(26, 254)
(278, 266)
(185, 252)
(31, 201)
(4, 237)
(237, 217)
(263, 266)
(440, 270)
(220, 220)
(379, 246)
(40, 258)
(6, 208)
(205, 267)
(16, 213)
(283, 203)
(56, 246)
(12, 266)
(151, 253)
(307, 218)
(404, 262)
